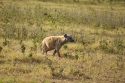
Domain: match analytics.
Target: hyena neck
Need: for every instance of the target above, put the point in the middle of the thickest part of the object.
(64, 42)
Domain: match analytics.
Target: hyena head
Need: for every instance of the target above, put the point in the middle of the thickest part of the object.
(69, 38)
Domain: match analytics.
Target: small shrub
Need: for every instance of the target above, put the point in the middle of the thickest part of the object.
(115, 46)
(23, 48)
(65, 46)
(119, 46)
(0, 49)
(6, 42)
(68, 55)
(104, 44)
(58, 73)
(76, 56)
(30, 55)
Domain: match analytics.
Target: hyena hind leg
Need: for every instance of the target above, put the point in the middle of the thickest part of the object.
(54, 52)
(44, 52)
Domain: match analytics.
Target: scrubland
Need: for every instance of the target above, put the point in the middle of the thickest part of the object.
(97, 56)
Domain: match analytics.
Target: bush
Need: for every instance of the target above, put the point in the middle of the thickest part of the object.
(116, 46)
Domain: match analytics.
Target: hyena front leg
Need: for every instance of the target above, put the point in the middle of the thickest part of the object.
(57, 48)
(58, 53)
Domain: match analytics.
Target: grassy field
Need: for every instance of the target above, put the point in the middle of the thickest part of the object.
(97, 56)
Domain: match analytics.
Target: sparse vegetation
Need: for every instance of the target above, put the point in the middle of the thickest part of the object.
(97, 56)
(0, 49)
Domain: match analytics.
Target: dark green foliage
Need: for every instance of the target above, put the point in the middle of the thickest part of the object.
(34, 47)
(6, 42)
(77, 56)
(104, 45)
(116, 46)
(65, 47)
(30, 55)
(23, 48)
(0, 49)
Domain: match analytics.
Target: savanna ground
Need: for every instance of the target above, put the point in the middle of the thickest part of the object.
(97, 56)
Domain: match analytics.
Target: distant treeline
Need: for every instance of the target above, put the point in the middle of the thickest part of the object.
(87, 1)
(121, 2)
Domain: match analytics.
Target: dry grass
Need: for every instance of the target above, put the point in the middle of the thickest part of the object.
(97, 56)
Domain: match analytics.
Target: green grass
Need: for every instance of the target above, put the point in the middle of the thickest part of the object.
(96, 56)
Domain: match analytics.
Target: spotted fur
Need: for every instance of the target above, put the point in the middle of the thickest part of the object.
(55, 43)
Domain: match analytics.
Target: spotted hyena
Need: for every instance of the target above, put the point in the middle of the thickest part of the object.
(55, 43)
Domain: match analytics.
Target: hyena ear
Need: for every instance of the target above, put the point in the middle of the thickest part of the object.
(65, 35)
